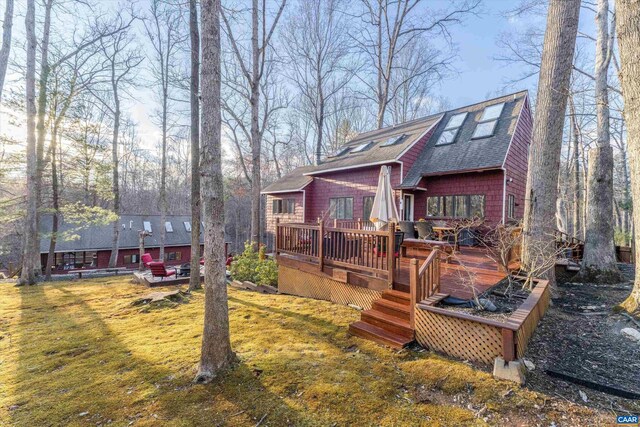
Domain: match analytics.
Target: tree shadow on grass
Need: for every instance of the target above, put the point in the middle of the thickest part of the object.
(72, 368)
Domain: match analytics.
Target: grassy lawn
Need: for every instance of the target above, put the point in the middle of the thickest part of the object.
(78, 353)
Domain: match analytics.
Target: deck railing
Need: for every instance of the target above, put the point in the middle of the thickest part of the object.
(359, 250)
(575, 245)
(352, 224)
(424, 280)
(298, 239)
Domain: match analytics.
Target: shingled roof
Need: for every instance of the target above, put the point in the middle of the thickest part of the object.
(377, 152)
(95, 238)
(465, 153)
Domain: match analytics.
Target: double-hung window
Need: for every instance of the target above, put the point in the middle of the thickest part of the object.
(341, 208)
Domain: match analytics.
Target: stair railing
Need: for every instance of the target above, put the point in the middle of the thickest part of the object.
(424, 280)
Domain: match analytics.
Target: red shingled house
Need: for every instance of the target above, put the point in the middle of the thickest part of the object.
(470, 161)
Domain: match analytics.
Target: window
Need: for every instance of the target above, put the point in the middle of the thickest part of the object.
(465, 206)
(147, 226)
(280, 206)
(187, 226)
(394, 140)
(132, 259)
(362, 147)
(488, 121)
(511, 206)
(341, 208)
(367, 205)
(339, 152)
(450, 132)
(173, 256)
(168, 227)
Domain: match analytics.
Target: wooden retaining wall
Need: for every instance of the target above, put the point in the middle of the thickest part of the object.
(476, 338)
(320, 286)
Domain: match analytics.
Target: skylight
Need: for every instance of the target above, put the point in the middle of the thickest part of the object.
(450, 132)
(488, 121)
(394, 140)
(362, 147)
(147, 226)
(187, 226)
(168, 227)
(339, 152)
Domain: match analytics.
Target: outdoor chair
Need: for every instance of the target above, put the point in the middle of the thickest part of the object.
(381, 249)
(158, 269)
(146, 259)
(425, 230)
(407, 227)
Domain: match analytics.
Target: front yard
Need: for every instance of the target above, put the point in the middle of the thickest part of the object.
(78, 353)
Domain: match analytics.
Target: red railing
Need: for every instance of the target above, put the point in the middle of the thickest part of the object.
(424, 280)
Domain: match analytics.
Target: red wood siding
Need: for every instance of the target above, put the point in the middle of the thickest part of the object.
(487, 183)
(409, 158)
(516, 163)
(356, 183)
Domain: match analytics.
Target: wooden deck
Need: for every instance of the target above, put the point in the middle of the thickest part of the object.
(471, 270)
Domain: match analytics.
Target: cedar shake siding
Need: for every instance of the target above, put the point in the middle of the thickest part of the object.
(516, 163)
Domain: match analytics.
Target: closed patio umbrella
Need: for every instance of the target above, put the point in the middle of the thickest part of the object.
(384, 208)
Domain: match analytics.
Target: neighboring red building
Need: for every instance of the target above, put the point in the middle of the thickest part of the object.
(470, 161)
(90, 247)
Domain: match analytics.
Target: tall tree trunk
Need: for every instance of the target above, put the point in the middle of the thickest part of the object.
(27, 277)
(544, 159)
(575, 160)
(115, 160)
(255, 130)
(55, 193)
(599, 261)
(628, 29)
(194, 280)
(7, 26)
(216, 354)
(45, 70)
(163, 175)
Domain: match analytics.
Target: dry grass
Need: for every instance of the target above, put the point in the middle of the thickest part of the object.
(77, 353)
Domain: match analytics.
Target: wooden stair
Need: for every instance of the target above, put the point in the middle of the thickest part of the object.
(387, 322)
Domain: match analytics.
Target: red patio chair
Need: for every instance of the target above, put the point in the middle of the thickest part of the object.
(146, 259)
(158, 269)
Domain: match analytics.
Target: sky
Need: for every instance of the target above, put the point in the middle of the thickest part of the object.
(479, 75)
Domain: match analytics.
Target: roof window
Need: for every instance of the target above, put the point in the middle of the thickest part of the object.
(362, 147)
(394, 140)
(147, 226)
(448, 135)
(168, 227)
(339, 152)
(187, 226)
(488, 121)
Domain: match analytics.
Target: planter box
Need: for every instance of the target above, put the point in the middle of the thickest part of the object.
(477, 338)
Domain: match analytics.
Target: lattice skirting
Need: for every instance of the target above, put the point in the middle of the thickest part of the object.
(305, 284)
(460, 338)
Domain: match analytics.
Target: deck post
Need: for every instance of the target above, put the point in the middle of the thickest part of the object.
(414, 272)
(359, 223)
(321, 244)
(508, 345)
(391, 255)
(335, 223)
(277, 241)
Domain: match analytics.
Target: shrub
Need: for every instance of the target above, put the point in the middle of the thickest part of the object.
(254, 267)
(268, 273)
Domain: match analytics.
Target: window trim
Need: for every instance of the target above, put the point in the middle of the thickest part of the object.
(443, 212)
(333, 213)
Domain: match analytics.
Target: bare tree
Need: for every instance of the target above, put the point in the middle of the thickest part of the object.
(544, 158)
(120, 61)
(599, 262)
(27, 277)
(164, 30)
(194, 280)
(216, 354)
(628, 29)
(7, 26)
(316, 39)
(253, 71)
(391, 26)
